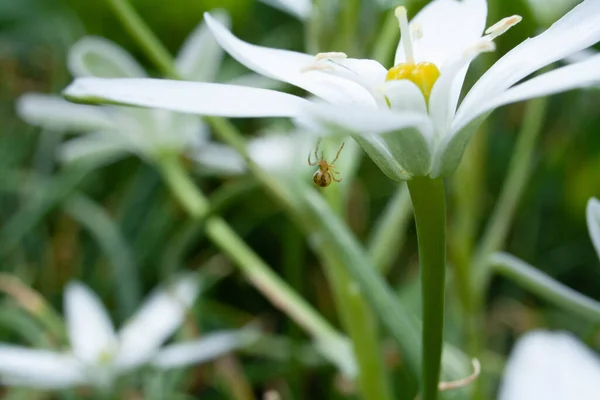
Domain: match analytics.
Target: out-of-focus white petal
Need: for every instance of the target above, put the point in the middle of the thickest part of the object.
(103, 147)
(284, 154)
(577, 30)
(200, 56)
(288, 66)
(444, 28)
(220, 159)
(593, 222)
(186, 97)
(202, 350)
(53, 112)
(89, 327)
(298, 8)
(96, 56)
(42, 369)
(159, 317)
(551, 366)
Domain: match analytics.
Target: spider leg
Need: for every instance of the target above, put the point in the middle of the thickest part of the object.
(317, 150)
(338, 153)
(337, 180)
(310, 162)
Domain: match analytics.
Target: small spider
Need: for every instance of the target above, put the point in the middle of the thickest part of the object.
(326, 173)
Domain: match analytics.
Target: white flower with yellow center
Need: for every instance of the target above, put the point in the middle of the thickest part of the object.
(98, 354)
(408, 118)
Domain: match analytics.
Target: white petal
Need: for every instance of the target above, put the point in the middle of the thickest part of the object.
(298, 8)
(100, 146)
(96, 56)
(89, 327)
(443, 29)
(551, 366)
(446, 90)
(200, 56)
(364, 72)
(20, 366)
(53, 112)
(288, 66)
(582, 74)
(593, 222)
(399, 143)
(187, 97)
(404, 95)
(205, 349)
(220, 159)
(577, 30)
(159, 317)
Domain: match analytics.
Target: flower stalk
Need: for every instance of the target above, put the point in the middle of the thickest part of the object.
(429, 206)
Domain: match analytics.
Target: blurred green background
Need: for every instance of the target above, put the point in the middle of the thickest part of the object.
(130, 222)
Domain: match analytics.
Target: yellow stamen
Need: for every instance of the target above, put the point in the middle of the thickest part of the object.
(423, 75)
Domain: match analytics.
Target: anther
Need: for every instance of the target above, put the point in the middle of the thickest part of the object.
(502, 26)
(318, 65)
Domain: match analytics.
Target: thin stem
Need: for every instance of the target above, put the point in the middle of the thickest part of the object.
(259, 273)
(387, 238)
(332, 235)
(145, 37)
(387, 40)
(512, 190)
(357, 318)
(429, 205)
(537, 282)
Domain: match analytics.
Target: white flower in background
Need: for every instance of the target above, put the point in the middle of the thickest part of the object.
(113, 132)
(593, 222)
(551, 366)
(406, 118)
(99, 354)
(298, 8)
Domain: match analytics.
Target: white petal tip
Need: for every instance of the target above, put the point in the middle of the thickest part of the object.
(503, 25)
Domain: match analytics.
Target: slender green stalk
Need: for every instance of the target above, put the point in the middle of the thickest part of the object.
(537, 282)
(512, 190)
(138, 29)
(387, 238)
(317, 220)
(357, 318)
(95, 219)
(498, 226)
(261, 276)
(387, 40)
(429, 205)
(350, 12)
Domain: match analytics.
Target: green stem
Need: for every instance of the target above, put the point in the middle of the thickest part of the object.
(537, 282)
(259, 274)
(387, 40)
(145, 37)
(498, 226)
(429, 205)
(512, 190)
(387, 237)
(357, 318)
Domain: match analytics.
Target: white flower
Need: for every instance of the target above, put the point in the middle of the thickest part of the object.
(99, 354)
(593, 222)
(113, 132)
(407, 119)
(551, 366)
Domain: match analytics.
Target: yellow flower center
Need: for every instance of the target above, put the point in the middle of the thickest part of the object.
(422, 74)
